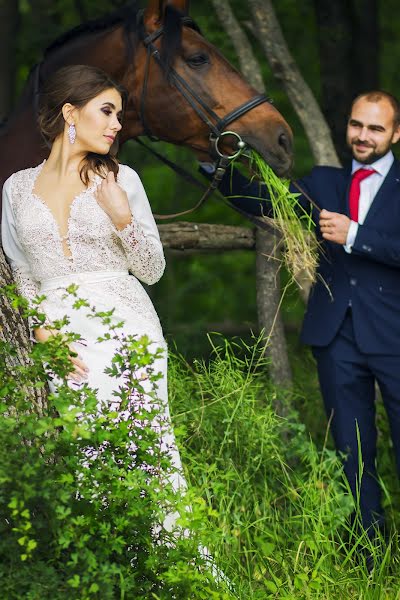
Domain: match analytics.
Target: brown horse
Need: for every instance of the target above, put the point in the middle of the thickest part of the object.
(178, 84)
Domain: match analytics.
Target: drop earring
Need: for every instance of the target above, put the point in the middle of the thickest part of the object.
(72, 133)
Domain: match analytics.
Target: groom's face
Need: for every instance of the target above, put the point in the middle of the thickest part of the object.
(371, 129)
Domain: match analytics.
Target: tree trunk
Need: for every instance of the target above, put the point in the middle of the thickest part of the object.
(268, 278)
(9, 21)
(348, 44)
(269, 296)
(284, 68)
(14, 331)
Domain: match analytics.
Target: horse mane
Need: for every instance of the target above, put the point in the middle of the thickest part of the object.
(174, 21)
(127, 15)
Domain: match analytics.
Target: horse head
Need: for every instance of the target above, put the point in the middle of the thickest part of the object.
(181, 85)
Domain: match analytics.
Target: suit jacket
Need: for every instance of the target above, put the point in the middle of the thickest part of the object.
(368, 278)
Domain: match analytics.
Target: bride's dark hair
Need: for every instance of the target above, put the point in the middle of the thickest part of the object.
(76, 84)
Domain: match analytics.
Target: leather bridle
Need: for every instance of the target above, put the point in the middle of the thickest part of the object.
(216, 124)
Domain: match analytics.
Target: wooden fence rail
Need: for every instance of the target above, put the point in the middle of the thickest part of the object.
(206, 237)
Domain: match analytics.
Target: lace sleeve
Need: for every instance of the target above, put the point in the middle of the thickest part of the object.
(26, 285)
(140, 239)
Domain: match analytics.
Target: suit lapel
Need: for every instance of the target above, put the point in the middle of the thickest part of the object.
(385, 192)
(343, 191)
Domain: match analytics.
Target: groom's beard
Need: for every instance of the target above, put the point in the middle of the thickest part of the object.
(371, 157)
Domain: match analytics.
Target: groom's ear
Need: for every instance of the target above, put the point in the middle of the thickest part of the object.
(396, 134)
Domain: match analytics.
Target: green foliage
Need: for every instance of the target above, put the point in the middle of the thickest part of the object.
(85, 487)
(281, 503)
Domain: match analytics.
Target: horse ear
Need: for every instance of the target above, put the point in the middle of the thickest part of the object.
(155, 10)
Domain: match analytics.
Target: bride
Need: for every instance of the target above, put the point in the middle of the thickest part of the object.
(81, 218)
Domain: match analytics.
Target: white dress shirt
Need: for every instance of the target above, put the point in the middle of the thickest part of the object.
(368, 189)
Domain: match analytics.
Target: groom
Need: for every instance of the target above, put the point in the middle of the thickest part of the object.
(352, 320)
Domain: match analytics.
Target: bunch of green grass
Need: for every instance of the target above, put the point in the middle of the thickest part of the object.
(280, 504)
(292, 220)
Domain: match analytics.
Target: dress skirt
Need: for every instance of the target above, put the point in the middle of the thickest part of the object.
(101, 290)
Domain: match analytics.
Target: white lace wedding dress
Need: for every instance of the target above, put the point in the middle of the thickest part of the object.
(106, 264)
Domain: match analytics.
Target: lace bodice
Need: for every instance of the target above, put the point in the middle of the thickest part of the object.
(35, 250)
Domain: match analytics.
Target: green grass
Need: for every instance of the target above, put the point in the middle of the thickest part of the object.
(293, 222)
(280, 504)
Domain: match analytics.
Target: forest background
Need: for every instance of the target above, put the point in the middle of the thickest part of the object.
(280, 509)
(340, 48)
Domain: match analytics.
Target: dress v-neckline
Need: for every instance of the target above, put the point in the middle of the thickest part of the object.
(62, 238)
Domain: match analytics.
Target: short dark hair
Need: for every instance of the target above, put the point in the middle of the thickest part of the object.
(377, 96)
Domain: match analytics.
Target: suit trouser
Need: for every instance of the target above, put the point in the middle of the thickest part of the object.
(347, 379)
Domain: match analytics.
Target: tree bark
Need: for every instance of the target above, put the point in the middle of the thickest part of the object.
(14, 331)
(9, 22)
(284, 68)
(267, 276)
(366, 45)
(269, 296)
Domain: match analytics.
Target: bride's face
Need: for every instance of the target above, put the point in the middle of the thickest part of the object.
(98, 122)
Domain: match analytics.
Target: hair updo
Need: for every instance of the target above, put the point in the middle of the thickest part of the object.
(76, 84)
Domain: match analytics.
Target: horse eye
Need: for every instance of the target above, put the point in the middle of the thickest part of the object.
(197, 60)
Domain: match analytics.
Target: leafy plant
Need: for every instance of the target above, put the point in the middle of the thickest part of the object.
(86, 488)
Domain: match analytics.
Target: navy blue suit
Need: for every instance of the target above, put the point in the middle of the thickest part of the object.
(356, 346)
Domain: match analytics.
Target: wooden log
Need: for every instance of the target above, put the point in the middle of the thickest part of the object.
(204, 236)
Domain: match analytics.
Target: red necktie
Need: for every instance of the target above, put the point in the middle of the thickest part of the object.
(354, 195)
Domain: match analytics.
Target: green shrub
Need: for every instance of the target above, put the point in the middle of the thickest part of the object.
(82, 492)
(79, 513)
(281, 503)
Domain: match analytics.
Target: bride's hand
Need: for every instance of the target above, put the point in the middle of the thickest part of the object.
(80, 371)
(114, 201)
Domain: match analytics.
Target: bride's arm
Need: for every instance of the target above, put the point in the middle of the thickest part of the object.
(25, 282)
(135, 226)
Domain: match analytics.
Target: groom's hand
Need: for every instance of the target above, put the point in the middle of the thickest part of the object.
(334, 226)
